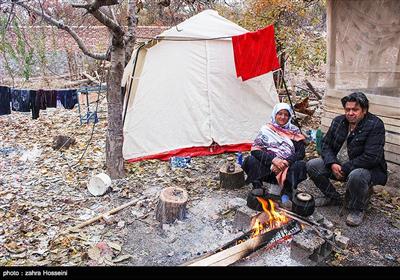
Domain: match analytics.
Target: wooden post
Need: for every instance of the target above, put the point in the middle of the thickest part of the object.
(171, 205)
(331, 39)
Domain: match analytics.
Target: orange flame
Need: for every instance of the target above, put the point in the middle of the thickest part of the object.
(274, 218)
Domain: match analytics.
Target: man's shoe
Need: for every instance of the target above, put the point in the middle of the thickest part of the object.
(355, 218)
(326, 201)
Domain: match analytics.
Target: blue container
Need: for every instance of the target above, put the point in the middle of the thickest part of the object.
(239, 158)
(180, 162)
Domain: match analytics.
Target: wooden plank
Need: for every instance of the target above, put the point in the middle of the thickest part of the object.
(331, 43)
(373, 99)
(389, 128)
(239, 251)
(334, 113)
(332, 103)
(393, 138)
(392, 148)
(393, 158)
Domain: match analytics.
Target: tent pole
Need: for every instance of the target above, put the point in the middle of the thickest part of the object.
(130, 86)
(291, 104)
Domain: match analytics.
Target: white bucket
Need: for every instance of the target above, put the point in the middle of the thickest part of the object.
(99, 184)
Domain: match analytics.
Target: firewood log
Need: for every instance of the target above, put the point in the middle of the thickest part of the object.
(231, 180)
(171, 205)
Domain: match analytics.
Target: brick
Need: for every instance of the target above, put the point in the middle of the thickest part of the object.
(327, 224)
(300, 255)
(342, 241)
(308, 248)
(244, 218)
(316, 217)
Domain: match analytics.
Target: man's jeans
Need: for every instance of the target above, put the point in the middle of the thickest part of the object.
(358, 185)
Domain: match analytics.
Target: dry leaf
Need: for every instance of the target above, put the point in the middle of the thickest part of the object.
(121, 258)
(115, 246)
(94, 253)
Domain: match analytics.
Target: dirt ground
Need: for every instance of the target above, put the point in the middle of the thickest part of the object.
(43, 192)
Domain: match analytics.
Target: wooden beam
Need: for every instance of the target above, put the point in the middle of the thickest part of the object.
(332, 103)
(333, 113)
(331, 43)
(237, 252)
(372, 98)
(312, 89)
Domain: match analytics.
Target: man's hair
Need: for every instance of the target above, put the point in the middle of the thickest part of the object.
(357, 97)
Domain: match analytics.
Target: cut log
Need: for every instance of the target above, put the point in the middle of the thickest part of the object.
(231, 180)
(171, 205)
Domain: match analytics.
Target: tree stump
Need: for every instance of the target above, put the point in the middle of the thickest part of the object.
(171, 205)
(231, 180)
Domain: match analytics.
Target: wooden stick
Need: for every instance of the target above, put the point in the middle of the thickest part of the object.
(4, 192)
(108, 213)
(91, 78)
(312, 89)
(237, 252)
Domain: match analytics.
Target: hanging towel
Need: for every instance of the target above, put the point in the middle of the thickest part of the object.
(68, 97)
(38, 102)
(255, 53)
(51, 98)
(20, 99)
(34, 106)
(41, 99)
(5, 99)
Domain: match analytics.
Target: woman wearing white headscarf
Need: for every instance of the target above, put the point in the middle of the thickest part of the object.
(277, 153)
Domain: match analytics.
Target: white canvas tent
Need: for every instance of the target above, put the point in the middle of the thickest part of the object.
(183, 97)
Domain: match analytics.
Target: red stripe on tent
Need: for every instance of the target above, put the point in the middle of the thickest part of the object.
(196, 151)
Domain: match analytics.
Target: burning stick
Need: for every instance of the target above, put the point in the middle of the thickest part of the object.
(270, 227)
(227, 256)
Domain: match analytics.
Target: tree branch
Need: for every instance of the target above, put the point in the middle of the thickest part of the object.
(95, 5)
(113, 26)
(61, 25)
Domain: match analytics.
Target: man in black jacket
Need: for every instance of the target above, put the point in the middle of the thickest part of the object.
(352, 151)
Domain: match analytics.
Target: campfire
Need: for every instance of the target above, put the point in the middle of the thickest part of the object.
(273, 219)
(269, 228)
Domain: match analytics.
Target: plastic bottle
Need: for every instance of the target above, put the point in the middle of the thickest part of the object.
(318, 137)
(239, 158)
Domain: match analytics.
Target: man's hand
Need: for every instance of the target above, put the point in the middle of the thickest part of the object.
(337, 171)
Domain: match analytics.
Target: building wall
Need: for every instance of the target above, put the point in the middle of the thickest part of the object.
(62, 52)
(364, 55)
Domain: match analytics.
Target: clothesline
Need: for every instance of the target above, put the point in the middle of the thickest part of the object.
(32, 100)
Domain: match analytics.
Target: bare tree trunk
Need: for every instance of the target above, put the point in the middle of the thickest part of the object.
(114, 159)
(131, 34)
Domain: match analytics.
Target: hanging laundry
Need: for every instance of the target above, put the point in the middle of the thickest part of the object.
(68, 97)
(41, 99)
(51, 98)
(255, 53)
(5, 99)
(38, 102)
(20, 100)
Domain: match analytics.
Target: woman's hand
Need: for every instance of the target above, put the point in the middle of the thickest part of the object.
(275, 169)
(279, 163)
